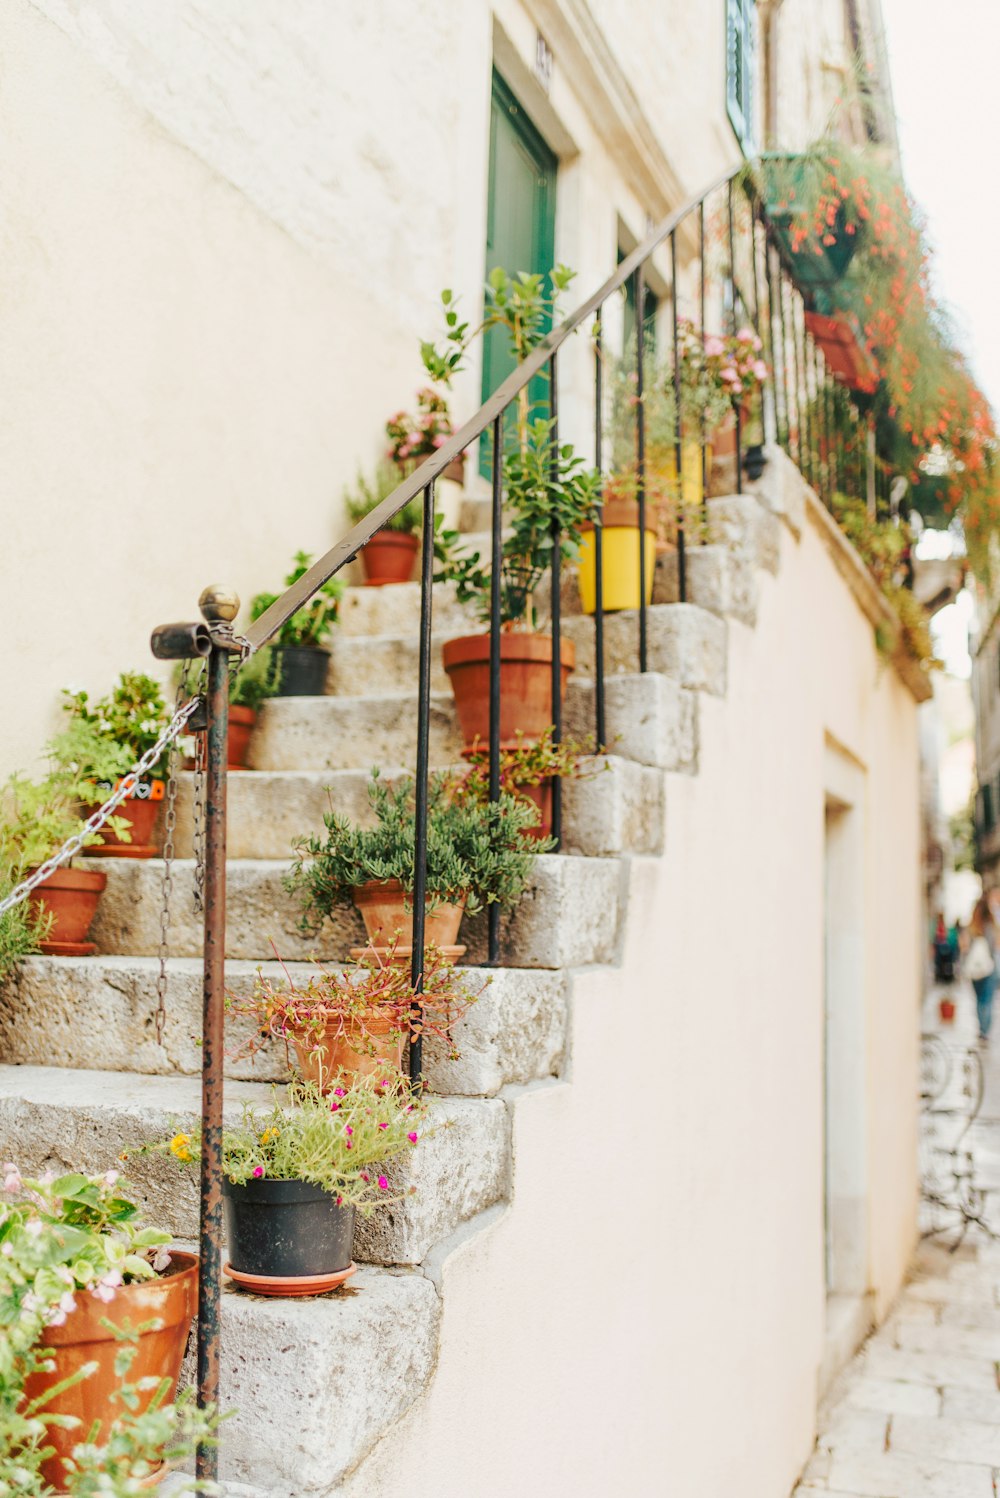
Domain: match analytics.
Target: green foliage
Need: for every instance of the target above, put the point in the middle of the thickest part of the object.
(335, 1141)
(311, 624)
(61, 1238)
(104, 739)
(545, 484)
(528, 764)
(482, 852)
(881, 544)
(366, 496)
(963, 837)
(37, 816)
(256, 680)
(22, 928)
(373, 987)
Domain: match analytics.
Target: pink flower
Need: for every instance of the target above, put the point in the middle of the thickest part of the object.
(383, 1184)
(340, 1201)
(339, 1092)
(334, 1107)
(714, 348)
(729, 373)
(383, 1125)
(366, 1177)
(106, 1286)
(760, 369)
(12, 1181)
(110, 1177)
(413, 1138)
(745, 335)
(258, 1172)
(348, 1130)
(440, 439)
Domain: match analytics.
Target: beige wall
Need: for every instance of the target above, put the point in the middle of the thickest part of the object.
(659, 1275)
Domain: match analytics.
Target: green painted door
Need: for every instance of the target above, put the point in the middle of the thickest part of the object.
(520, 223)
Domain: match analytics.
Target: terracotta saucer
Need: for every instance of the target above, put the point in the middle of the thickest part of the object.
(68, 948)
(289, 1285)
(450, 954)
(128, 850)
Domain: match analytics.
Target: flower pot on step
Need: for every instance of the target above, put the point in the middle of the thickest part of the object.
(947, 1009)
(140, 811)
(242, 722)
(286, 1237)
(70, 896)
(619, 558)
(455, 470)
(302, 670)
(383, 906)
(525, 684)
(165, 1307)
(539, 795)
(389, 558)
(363, 1044)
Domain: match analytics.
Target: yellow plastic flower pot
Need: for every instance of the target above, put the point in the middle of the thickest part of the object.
(692, 487)
(619, 559)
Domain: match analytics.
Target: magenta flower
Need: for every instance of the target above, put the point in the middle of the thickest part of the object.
(383, 1125)
(348, 1130)
(258, 1172)
(334, 1107)
(413, 1138)
(339, 1092)
(383, 1184)
(366, 1177)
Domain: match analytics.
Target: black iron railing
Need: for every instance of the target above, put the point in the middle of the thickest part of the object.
(822, 427)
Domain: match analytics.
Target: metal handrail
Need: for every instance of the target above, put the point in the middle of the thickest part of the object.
(301, 591)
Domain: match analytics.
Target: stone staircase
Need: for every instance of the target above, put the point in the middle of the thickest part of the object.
(83, 1079)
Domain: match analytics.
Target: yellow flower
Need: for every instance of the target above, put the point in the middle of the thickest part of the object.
(268, 1135)
(180, 1146)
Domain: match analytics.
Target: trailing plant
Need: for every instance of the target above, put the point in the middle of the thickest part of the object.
(337, 1141)
(349, 999)
(104, 739)
(413, 438)
(22, 928)
(62, 1238)
(882, 546)
(311, 625)
(529, 764)
(482, 853)
(546, 486)
(366, 496)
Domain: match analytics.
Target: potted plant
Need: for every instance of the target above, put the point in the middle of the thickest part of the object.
(95, 1314)
(36, 818)
(302, 661)
(392, 551)
(528, 771)
(22, 928)
(295, 1176)
(101, 743)
(477, 854)
(414, 438)
(817, 227)
(356, 1021)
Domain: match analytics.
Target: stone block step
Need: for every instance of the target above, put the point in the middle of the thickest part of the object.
(567, 917)
(747, 527)
(718, 579)
(395, 610)
(370, 665)
(350, 733)
(59, 1119)
(98, 1013)
(476, 514)
(649, 718)
(683, 641)
(607, 811)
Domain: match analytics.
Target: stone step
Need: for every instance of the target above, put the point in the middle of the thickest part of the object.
(718, 579)
(395, 610)
(370, 665)
(615, 807)
(683, 641)
(649, 718)
(54, 1118)
(748, 527)
(476, 514)
(98, 1013)
(350, 733)
(567, 917)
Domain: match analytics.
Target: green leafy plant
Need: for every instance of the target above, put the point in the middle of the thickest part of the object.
(255, 681)
(336, 1141)
(287, 1011)
(546, 485)
(22, 928)
(529, 764)
(482, 852)
(38, 816)
(881, 544)
(104, 739)
(310, 625)
(366, 496)
(61, 1238)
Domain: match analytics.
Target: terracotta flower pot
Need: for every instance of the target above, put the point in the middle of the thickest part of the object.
(70, 896)
(389, 558)
(455, 470)
(383, 908)
(355, 1043)
(525, 684)
(541, 796)
(242, 722)
(171, 1301)
(947, 1009)
(140, 812)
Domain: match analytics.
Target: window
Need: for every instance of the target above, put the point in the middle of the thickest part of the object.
(741, 50)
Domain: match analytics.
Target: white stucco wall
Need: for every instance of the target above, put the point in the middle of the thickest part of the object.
(648, 1316)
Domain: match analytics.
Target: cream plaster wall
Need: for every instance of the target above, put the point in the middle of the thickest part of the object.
(648, 1315)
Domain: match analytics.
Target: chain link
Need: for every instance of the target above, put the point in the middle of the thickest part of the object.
(97, 820)
(170, 826)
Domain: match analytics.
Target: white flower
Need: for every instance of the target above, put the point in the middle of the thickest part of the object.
(33, 1227)
(161, 1260)
(111, 1177)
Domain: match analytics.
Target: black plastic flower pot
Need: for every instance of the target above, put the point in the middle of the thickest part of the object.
(302, 670)
(286, 1229)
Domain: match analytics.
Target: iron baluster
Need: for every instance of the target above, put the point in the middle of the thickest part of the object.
(600, 728)
(422, 778)
(833, 430)
(701, 325)
(219, 609)
(493, 915)
(556, 606)
(797, 387)
(780, 301)
(734, 328)
(678, 433)
(640, 451)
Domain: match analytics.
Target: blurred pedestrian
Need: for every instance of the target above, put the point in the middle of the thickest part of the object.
(944, 955)
(981, 964)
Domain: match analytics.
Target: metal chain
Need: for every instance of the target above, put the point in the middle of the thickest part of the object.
(170, 825)
(96, 821)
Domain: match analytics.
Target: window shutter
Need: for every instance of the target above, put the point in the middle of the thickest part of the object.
(741, 54)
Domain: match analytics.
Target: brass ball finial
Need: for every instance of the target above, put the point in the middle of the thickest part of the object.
(219, 605)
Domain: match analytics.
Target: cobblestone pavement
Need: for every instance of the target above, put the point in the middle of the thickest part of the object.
(917, 1414)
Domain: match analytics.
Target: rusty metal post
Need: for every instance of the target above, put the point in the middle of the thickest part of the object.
(219, 608)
